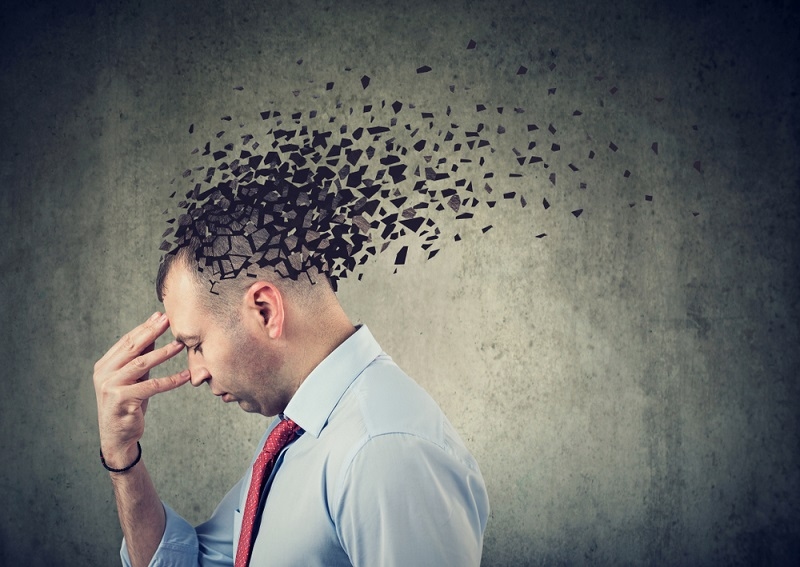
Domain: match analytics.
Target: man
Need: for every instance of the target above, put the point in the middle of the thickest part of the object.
(375, 474)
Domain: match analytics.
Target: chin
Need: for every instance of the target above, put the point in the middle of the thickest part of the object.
(248, 406)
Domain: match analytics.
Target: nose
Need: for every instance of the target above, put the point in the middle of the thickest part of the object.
(198, 371)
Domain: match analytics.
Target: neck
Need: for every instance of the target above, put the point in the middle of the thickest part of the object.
(313, 337)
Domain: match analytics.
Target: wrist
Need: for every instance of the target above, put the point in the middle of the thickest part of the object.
(121, 461)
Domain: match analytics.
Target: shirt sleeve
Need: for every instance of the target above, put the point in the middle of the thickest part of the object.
(407, 501)
(208, 545)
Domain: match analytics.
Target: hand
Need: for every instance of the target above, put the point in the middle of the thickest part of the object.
(122, 385)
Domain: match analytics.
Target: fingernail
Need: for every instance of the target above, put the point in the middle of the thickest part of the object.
(154, 316)
(176, 343)
(185, 374)
(162, 318)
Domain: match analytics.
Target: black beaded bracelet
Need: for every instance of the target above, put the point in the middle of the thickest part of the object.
(129, 467)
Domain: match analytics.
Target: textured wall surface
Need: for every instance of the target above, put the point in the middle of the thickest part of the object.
(628, 383)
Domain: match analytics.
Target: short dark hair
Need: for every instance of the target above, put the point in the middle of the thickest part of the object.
(223, 294)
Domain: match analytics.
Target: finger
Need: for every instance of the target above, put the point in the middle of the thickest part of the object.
(148, 389)
(123, 342)
(133, 343)
(138, 369)
(147, 349)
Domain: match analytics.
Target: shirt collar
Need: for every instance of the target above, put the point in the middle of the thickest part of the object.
(317, 396)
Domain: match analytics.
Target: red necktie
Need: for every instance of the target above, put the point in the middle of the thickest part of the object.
(284, 433)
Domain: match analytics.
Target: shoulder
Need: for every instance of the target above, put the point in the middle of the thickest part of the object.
(385, 400)
(385, 408)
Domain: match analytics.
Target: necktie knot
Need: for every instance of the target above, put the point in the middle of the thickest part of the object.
(281, 435)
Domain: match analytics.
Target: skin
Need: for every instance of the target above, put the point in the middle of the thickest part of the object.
(258, 359)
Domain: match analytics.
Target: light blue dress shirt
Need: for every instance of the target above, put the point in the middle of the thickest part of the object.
(378, 478)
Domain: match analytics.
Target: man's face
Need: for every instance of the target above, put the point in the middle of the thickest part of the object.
(234, 358)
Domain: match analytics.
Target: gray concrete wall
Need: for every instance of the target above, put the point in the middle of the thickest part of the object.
(628, 383)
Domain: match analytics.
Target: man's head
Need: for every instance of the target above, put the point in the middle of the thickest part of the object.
(252, 339)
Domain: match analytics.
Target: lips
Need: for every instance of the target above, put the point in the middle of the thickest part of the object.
(226, 397)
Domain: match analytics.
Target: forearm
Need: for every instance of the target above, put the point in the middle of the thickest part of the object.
(141, 513)
(123, 389)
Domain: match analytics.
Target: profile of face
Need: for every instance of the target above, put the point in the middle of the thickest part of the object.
(242, 358)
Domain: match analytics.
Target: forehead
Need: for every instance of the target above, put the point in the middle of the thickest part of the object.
(182, 303)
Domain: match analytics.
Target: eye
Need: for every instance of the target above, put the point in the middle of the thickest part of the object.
(198, 348)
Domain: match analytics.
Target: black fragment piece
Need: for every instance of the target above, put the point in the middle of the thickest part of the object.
(454, 203)
(365, 81)
(413, 224)
(522, 70)
(423, 69)
(472, 44)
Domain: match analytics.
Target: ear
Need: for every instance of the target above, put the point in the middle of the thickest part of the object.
(265, 302)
